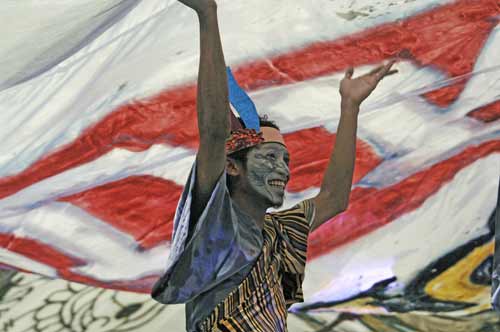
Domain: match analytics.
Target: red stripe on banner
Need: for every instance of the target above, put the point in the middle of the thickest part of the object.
(134, 127)
(142, 285)
(488, 113)
(370, 209)
(449, 38)
(63, 263)
(142, 206)
(38, 251)
(310, 152)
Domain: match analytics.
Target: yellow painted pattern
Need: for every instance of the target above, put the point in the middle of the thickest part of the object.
(377, 324)
(360, 306)
(454, 284)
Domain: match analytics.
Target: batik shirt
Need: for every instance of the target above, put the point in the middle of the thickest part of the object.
(232, 275)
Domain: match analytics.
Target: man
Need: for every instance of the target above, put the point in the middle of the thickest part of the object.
(235, 266)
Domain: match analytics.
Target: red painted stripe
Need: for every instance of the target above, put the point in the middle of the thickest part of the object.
(134, 127)
(38, 251)
(310, 151)
(142, 206)
(142, 285)
(488, 113)
(449, 37)
(371, 209)
(63, 263)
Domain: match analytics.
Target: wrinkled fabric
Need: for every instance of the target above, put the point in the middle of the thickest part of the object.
(207, 267)
(218, 255)
(260, 302)
(62, 29)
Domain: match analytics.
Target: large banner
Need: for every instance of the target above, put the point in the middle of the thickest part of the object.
(99, 133)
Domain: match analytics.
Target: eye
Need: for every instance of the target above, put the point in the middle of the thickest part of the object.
(271, 155)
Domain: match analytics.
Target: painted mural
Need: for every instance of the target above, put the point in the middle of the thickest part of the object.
(34, 303)
(98, 105)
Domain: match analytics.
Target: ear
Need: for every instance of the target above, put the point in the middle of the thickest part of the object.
(232, 167)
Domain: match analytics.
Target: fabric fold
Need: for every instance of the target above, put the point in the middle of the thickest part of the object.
(223, 242)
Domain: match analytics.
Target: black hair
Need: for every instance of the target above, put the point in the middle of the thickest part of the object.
(241, 155)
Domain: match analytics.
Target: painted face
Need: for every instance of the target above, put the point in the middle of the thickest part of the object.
(268, 172)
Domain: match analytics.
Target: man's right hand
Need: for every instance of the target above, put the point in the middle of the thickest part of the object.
(200, 6)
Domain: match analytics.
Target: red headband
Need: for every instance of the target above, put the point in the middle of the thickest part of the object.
(245, 138)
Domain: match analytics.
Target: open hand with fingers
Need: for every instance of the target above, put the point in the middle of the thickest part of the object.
(355, 90)
(199, 5)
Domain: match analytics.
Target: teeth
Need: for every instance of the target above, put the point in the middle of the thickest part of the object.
(277, 183)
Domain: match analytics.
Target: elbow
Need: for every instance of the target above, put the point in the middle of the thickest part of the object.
(343, 204)
(337, 203)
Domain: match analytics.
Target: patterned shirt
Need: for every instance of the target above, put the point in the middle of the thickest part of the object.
(260, 302)
(232, 275)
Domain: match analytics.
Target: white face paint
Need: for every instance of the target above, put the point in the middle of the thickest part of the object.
(267, 172)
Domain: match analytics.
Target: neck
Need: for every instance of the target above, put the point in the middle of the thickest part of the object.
(252, 207)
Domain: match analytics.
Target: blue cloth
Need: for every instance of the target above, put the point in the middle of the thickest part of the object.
(242, 103)
(207, 265)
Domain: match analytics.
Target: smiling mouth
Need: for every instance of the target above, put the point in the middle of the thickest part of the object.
(277, 184)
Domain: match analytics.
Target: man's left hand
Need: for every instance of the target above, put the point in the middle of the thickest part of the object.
(355, 90)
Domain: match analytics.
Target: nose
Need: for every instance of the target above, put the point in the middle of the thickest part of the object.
(283, 169)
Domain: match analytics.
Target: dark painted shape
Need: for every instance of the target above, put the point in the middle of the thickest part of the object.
(6, 282)
(482, 274)
(414, 297)
(128, 310)
(495, 289)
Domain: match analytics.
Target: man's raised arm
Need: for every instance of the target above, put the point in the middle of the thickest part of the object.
(333, 197)
(212, 105)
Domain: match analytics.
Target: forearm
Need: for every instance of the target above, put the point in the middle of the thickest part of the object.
(212, 98)
(333, 197)
(337, 180)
